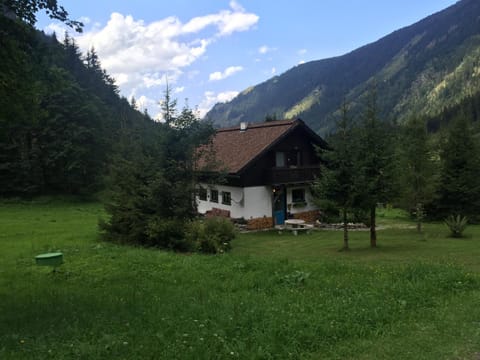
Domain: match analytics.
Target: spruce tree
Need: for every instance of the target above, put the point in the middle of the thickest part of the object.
(459, 187)
(153, 181)
(337, 182)
(417, 168)
(376, 160)
(168, 106)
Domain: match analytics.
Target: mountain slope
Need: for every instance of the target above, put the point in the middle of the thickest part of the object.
(422, 68)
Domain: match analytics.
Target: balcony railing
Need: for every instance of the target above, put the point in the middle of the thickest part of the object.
(292, 175)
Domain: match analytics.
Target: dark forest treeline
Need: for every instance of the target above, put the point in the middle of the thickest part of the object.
(61, 115)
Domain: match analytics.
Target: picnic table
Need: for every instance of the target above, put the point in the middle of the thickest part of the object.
(296, 225)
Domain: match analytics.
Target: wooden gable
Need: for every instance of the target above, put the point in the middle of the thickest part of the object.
(249, 155)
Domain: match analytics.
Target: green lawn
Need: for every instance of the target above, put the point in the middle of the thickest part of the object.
(398, 243)
(273, 297)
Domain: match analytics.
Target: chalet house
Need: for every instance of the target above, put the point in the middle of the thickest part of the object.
(269, 169)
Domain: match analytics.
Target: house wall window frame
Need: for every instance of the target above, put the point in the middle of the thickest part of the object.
(202, 194)
(280, 159)
(298, 196)
(226, 198)
(294, 158)
(214, 196)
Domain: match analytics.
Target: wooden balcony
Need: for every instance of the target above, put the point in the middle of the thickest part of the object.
(292, 175)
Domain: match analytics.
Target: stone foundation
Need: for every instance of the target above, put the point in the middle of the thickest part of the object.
(260, 223)
(308, 216)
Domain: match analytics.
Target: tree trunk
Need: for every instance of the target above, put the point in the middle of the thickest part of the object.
(373, 231)
(345, 231)
(419, 213)
(419, 226)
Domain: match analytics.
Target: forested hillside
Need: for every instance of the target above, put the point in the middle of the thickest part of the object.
(61, 116)
(421, 69)
(468, 108)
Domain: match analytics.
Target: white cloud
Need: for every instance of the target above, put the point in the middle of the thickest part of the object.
(302, 51)
(226, 21)
(265, 49)
(274, 70)
(226, 96)
(238, 20)
(144, 102)
(179, 89)
(236, 6)
(139, 55)
(301, 62)
(226, 73)
(125, 45)
(58, 28)
(210, 99)
(85, 20)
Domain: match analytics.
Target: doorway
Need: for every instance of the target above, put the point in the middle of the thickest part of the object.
(279, 204)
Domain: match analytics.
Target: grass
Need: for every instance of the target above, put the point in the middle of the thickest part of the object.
(273, 297)
(395, 246)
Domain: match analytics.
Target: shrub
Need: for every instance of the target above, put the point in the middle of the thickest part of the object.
(212, 235)
(360, 216)
(456, 224)
(329, 213)
(168, 234)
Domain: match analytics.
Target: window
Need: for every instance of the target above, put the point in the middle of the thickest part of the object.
(294, 158)
(279, 159)
(202, 194)
(226, 198)
(298, 195)
(214, 196)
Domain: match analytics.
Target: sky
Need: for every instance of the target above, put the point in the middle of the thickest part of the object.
(210, 50)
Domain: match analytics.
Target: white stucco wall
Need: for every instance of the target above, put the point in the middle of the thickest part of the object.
(247, 203)
(308, 199)
(252, 202)
(258, 202)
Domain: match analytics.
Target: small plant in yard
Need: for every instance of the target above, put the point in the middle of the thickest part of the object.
(457, 225)
(297, 278)
(212, 236)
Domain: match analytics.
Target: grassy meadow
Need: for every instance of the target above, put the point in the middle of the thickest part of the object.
(272, 297)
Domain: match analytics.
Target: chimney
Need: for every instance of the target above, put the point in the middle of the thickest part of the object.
(243, 126)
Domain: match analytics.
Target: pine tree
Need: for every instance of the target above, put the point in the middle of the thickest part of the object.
(376, 159)
(417, 168)
(168, 106)
(338, 178)
(153, 181)
(459, 189)
(59, 115)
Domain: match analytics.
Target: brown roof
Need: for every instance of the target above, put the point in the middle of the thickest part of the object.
(234, 149)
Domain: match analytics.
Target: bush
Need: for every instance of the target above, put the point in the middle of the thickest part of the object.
(168, 234)
(360, 216)
(211, 236)
(329, 212)
(457, 225)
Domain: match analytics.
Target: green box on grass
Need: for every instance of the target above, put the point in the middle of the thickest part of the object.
(49, 259)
